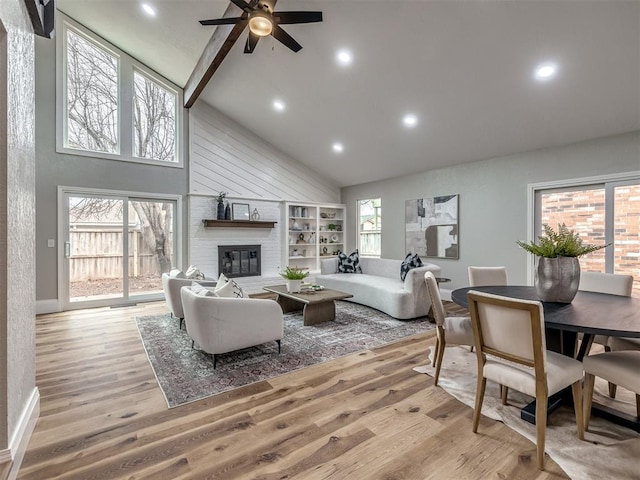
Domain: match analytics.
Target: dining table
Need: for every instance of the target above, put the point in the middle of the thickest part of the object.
(589, 313)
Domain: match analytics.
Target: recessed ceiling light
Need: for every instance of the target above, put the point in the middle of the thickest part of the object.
(148, 9)
(344, 57)
(410, 120)
(546, 71)
(278, 105)
(338, 147)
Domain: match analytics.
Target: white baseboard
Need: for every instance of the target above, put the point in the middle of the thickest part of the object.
(48, 306)
(20, 438)
(5, 456)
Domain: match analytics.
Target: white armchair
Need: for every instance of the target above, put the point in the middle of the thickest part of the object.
(220, 325)
(172, 286)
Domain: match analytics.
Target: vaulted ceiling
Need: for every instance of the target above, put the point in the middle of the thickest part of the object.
(465, 69)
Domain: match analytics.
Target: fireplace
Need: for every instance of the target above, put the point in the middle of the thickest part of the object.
(239, 260)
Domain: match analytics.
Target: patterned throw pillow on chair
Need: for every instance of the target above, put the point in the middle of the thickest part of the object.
(194, 273)
(349, 264)
(410, 261)
(228, 288)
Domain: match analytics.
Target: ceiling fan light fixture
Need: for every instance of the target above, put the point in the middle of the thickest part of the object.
(260, 24)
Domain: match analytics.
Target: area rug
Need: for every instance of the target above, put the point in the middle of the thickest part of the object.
(608, 452)
(186, 375)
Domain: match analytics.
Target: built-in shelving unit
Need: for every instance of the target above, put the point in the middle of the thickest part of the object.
(313, 232)
(238, 224)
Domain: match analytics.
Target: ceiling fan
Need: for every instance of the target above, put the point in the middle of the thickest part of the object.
(262, 22)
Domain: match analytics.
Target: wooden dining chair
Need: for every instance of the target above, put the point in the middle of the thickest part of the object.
(511, 350)
(618, 367)
(452, 330)
(612, 284)
(487, 276)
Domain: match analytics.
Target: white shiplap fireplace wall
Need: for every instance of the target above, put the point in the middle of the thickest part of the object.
(225, 157)
(204, 242)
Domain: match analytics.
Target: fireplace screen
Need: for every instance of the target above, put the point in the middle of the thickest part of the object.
(239, 260)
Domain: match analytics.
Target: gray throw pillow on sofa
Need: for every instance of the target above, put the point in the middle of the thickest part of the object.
(410, 261)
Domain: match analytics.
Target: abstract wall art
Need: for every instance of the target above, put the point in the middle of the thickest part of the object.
(432, 226)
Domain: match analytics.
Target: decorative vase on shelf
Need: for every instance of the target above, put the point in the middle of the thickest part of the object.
(255, 216)
(557, 279)
(227, 212)
(220, 211)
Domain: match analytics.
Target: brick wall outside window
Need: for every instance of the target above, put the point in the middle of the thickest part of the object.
(584, 211)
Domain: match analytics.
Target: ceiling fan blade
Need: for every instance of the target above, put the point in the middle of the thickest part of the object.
(286, 39)
(222, 21)
(297, 17)
(243, 5)
(252, 41)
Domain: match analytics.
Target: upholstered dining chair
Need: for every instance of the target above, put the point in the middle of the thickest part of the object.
(486, 276)
(511, 350)
(450, 330)
(612, 284)
(617, 367)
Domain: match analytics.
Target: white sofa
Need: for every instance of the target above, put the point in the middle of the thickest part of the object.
(379, 285)
(223, 324)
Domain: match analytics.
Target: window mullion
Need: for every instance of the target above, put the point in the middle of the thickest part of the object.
(126, 92)
(609, 225)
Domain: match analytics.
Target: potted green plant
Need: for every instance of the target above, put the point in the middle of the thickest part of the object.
(294, 277)
(558, 270)
(220, 201)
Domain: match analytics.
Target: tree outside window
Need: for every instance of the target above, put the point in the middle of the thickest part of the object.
(113, 107)
(369, 227)
(92, 96)
(154, 120)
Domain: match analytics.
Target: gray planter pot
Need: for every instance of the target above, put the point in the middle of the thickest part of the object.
(557, 279)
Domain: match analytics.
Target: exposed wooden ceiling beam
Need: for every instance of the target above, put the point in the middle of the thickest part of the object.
(223, 38)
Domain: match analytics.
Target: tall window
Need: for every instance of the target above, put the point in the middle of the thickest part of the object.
(155, 120)
(112, 107)
(369, 226)
(607, 212)
(92, 96)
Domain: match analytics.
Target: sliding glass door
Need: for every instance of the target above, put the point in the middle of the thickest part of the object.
(115, 248)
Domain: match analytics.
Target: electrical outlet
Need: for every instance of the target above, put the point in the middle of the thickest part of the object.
(51, 243)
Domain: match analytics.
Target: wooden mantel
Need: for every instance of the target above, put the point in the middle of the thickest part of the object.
(238, 224)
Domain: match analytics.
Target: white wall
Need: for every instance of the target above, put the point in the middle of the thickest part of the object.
(203, 250)
(493, 200)
(18, 392)
(225, 157)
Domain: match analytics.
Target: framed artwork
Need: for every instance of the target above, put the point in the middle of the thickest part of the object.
(240, 211)
(432, 226)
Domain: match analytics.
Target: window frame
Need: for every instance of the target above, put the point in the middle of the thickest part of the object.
(127, 65)
(359, 231)
(170, 89)
(608, 182)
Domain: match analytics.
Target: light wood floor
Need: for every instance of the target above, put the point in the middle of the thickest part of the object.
(363, 416)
